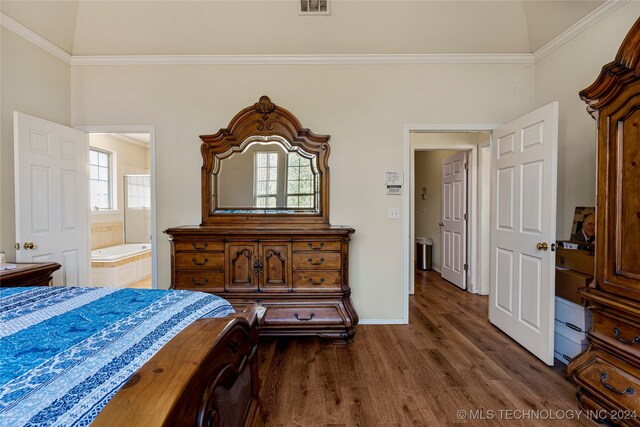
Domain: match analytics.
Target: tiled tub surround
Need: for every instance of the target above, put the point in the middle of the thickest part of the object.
(106, 234)
(120, 265)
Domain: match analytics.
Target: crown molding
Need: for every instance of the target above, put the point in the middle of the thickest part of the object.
(327, 59)
(12, 25)
(595, 16)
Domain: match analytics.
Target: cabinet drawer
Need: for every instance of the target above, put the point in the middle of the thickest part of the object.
(200, 280)
(302, 315)
(622, 333)
(200, 246)
(316, 246)
(197, 260)
(616, 383)
(316, 261)
(316, 280)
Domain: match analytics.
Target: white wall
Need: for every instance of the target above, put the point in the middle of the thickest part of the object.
(363, 107)
(560, 76)
(36, 83)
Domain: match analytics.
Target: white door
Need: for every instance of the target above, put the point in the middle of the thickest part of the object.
(454, 219)
(523, 229)
(52, 208)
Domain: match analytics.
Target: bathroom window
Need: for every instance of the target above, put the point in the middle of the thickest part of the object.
(138, 191)
(266, 179)
(299, 182)
(100, 179)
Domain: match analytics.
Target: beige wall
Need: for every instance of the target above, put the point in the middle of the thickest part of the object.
(36, 83)
(560, 76)
(363, 107)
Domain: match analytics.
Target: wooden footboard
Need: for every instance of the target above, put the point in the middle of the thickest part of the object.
(206, 376)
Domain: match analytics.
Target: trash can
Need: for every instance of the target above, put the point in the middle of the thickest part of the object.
(424, 248)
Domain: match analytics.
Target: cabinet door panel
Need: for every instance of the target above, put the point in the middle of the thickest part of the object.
(275, 271)
(241, 267)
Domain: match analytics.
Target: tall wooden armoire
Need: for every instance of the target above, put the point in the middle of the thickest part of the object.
(608, 373)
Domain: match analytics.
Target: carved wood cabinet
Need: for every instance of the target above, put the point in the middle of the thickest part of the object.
(301, 277)
(265, 235)
(608, 372)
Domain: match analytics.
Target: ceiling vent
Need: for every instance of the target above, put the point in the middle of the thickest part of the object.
(314, 7)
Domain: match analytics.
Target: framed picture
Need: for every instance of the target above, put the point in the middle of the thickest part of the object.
(583, 229)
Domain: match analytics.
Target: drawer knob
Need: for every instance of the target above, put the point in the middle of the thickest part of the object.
(304, 319)
(320, 262)
(196, 283)
(616, 333)
(316, 248)
(196, 262)
(316, 283)
(202, 248)
(604, 376)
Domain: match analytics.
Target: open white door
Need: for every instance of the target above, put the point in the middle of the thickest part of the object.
(52, 208)
(454, 221)
(523, 229)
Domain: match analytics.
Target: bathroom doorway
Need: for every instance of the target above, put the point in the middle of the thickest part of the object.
(122, 207)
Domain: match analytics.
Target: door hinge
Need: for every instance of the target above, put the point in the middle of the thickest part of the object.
(466, 267)
(465, 217)
(466, 166)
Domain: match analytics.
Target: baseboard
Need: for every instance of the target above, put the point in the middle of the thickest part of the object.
(382, 322)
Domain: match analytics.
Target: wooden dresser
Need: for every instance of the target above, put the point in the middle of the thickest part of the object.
(265, 236)
(301, 277)
(28, 274)
(608, 372)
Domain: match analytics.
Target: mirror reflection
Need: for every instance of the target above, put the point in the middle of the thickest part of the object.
(266, 176)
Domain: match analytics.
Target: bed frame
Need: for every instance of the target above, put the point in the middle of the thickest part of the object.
(207, 375)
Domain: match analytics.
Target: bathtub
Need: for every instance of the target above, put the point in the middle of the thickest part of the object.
(121, 265)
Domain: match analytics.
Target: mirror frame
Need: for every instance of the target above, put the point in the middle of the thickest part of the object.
(263, 119)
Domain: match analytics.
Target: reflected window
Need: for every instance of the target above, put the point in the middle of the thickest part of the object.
(299, 182)
(100, 179)
(266, 179)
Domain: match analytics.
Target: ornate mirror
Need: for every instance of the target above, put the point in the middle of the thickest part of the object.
(265, 167)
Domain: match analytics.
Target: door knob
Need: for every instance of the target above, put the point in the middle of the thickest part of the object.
(441, 224)
(542, 246)
(28, 245)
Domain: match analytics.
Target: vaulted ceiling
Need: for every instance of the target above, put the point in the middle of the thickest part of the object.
(275, 27)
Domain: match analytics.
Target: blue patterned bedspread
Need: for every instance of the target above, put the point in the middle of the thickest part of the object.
(64, 352)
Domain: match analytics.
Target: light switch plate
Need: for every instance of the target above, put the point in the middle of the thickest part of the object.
(394, 213)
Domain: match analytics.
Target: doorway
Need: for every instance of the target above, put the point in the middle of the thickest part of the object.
(440, 212)
(468, 138)
(122, 200)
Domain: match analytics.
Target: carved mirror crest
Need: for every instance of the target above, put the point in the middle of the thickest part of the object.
(265, 167)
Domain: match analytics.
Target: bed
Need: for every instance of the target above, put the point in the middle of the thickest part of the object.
(75, 356)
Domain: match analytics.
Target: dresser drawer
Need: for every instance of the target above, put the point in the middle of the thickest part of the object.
(622, 333)
(316, 261)
(316, 246)
(206, 281)
(303, 315)
(200, 246)
(197, 260)
(316, 280)
(619, 384)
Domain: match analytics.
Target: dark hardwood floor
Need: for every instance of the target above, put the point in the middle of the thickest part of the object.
(449, 358)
